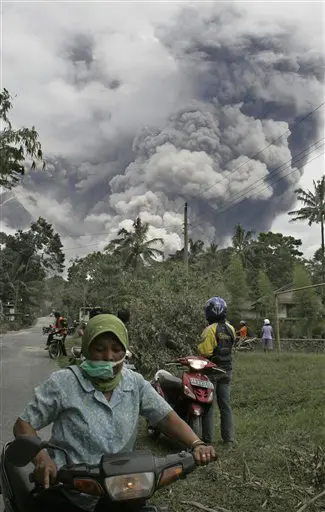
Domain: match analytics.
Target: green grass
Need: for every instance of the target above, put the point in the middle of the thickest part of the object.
(278, 462)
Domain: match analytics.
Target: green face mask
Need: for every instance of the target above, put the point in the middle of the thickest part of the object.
(102, 370)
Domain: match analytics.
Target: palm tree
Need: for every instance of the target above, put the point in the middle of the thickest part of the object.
(196, 249)
(210, 256)
(313, 211)
(134, 248)
(242, 243)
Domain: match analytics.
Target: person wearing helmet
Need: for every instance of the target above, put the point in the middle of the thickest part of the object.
(267, 336)
(216, 344)
(243, 332)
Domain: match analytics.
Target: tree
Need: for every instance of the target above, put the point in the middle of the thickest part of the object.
(276, 255)
(54, 294)
(26, 259)
(210, 258)
(265, 304)
(307, 302)
(237, 287)
(96, 279)
(134, 248)
(242, 243)
(48, 244)
(196, 250)
(16, 146)
(313, 211)
(314, 266)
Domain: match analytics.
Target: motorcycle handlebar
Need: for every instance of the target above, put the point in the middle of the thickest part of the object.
(67, 474)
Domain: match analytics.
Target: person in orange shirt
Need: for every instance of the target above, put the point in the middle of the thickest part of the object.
(243, 332)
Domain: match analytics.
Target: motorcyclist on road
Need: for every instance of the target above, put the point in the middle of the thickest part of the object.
(60, 326)
(95, 410)
(216, 344)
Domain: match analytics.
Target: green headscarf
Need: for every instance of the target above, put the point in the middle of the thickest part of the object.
(97, 325)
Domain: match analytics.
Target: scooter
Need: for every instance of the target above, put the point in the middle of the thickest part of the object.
(56, 348)
(191, 395)
(126, 480)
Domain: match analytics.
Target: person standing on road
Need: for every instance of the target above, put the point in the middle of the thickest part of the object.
(216, 344)
(267, 336)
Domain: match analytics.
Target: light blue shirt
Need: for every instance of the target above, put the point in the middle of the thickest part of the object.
(267, 332)
(85, 423)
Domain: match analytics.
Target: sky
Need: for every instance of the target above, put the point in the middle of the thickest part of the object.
(142, 106)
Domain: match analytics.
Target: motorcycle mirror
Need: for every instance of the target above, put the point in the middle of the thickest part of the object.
(24, 449)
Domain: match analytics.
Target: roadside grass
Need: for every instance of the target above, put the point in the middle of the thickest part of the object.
(278, 463)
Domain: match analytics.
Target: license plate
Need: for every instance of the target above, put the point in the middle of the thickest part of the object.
(202, 383)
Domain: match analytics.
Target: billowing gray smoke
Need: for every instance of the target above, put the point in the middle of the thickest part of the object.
(239, 84)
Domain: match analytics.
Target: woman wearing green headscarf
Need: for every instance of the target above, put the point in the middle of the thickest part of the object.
(95, 410)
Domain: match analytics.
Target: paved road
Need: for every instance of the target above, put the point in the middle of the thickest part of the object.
(23, 365)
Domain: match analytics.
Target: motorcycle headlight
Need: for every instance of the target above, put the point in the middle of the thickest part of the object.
(130, 487)
(197, 364)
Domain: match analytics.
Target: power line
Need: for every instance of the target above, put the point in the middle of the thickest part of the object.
(253, 157)
(259, 152)
(293, 160)
(98, 243)
(244, 196)
(231, 205)
(82, 246)
(238, 198)
(296, 123)
(283, 165)
(272, 182)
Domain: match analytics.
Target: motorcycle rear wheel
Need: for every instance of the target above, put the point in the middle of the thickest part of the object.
(195, 422)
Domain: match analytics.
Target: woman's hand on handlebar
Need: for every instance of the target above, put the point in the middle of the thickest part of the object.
(204, 454)
(45, 469)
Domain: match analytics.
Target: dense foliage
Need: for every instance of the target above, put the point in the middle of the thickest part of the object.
(165, 299)
(27, 260)
(16, 146)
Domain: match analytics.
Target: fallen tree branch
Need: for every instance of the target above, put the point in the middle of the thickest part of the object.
(203, 507)
(310, 502)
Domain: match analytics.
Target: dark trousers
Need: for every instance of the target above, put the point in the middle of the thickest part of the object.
(222, 397)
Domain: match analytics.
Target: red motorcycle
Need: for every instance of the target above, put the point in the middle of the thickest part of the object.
(191, 395)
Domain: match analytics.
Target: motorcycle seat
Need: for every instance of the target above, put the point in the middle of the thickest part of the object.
(169, 381)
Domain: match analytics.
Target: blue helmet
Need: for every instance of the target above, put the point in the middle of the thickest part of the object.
(215, 309)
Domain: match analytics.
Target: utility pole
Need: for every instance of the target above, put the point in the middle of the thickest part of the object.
(277, 324)
(185, 236)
